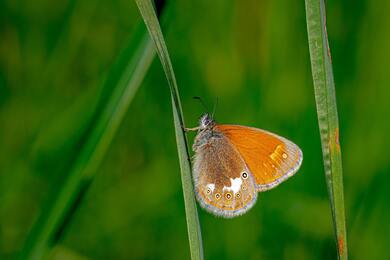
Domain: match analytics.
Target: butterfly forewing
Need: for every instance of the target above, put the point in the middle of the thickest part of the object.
(270, 158)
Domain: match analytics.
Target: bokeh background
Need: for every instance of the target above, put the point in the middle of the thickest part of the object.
(253, 56)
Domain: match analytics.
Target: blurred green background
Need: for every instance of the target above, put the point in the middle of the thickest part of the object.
(253, 56)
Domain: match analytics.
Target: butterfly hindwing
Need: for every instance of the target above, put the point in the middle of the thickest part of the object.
(223, 183)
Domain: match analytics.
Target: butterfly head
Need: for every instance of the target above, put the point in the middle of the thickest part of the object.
(205, 131)
(206, 122)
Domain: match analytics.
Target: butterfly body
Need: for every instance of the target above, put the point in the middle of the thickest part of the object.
(233, 163)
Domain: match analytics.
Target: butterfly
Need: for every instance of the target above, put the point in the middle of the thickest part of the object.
(232, 163)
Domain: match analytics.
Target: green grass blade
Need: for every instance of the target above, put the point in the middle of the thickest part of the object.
(193, 226)
(325, 96)
(118, 92)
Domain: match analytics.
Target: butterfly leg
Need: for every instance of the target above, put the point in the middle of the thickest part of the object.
(191, 129)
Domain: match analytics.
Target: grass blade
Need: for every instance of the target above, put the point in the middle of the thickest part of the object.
(193, 226)
(325, 96)
(118, 91)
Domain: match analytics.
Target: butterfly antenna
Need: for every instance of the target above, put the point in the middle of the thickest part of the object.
(215, 107)
(203, 104)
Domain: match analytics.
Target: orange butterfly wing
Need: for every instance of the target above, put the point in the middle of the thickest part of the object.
(271, 158)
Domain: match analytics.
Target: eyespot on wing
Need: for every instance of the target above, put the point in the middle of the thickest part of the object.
(270, 158)
(218, 172)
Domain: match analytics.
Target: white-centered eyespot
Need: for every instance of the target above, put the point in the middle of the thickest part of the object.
(244, 175)
(217, 196)
(228, 196)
